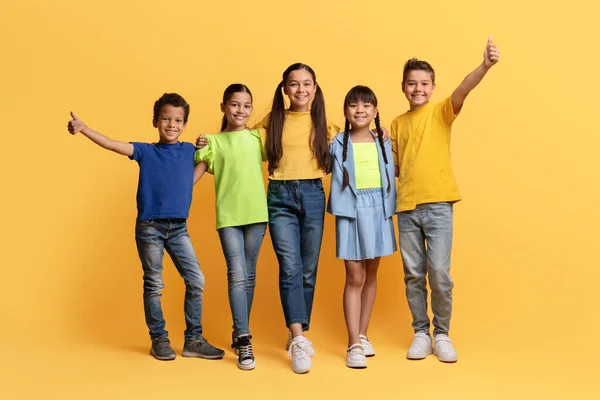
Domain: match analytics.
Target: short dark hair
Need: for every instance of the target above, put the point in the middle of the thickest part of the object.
(174, 100)
(418, 65)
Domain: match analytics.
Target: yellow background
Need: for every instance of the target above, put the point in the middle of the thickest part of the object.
(525, 153)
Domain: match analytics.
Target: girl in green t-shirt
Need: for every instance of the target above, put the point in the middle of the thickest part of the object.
(235, 158)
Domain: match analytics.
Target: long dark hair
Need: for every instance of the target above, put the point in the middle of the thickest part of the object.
(366, 95)
(231, 89)
(318, 140)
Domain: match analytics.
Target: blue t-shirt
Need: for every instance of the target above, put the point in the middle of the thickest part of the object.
(166, 179)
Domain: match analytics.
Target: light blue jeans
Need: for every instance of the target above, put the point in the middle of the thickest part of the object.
(425, 245)
(153, 238)
(240, 246)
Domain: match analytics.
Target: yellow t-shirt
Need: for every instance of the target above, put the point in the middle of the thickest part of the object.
(297, 160)
(421, 146)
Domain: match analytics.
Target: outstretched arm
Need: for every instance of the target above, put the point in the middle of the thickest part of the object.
(77, 125)
(491, 55)
(199, 170)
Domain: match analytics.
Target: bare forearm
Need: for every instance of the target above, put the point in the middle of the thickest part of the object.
(199, 170)
(468, 84)
(108, 143)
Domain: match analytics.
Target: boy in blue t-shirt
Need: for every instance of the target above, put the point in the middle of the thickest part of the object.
(164, 197)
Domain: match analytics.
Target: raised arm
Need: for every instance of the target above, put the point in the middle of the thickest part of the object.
(77, 125)
(491, 55)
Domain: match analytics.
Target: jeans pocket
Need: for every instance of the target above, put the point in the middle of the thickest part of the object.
(274, 187)
(319, 185)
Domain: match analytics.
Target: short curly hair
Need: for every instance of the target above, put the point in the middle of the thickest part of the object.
(419, 65)
(174, 100)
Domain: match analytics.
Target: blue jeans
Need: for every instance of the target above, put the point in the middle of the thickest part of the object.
(296, 216)
(425, 245)
(240, 247)
(152, 238)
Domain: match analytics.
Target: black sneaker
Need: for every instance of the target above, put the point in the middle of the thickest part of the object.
(161, 348)
(234, 344)
(246, 360)
(199, 347)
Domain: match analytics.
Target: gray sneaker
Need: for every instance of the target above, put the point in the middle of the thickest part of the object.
(199, 347)
(161, 348)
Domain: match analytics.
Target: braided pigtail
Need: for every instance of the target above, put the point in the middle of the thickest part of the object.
(385, 159)
(346, 178)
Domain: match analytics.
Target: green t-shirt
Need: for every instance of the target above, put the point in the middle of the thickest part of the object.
(235, 159)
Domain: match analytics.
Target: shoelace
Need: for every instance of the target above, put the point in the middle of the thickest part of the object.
(246, 352)
(300, 349)
(199, 341)
(163, 344)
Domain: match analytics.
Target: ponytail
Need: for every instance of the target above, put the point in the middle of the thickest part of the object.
(381, 144)
(346, 178)
(273, 144)
(319, 138)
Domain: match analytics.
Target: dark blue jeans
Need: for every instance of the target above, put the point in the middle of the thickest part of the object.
(241, 245)
(296, 216)
(152, 238)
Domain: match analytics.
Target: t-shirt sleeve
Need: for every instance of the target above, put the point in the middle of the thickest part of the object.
(394, 139)
(332, 130)
(263, 124)
(138, 150)
(207, 154)
(447, 111)
(261, 135)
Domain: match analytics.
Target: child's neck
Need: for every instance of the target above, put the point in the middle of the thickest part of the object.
(295, 108)
(361, 134)
(163, 141)
(417, 106)
(230, 128)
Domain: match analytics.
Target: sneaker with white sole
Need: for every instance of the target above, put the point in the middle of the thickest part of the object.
(246, 360)
(289, 342)
(356, 357)
(367, 346)
(300, 352)
(420, 348)
(443, 349)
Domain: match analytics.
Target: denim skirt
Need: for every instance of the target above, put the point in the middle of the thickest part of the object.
(370, 234)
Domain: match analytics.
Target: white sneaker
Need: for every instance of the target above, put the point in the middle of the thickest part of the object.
(300, 352)
(289, 342)
(366, 345)
(420, 348)
(356, 357)
(444, 350)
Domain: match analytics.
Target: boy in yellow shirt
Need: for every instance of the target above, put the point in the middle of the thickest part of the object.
(426, 192)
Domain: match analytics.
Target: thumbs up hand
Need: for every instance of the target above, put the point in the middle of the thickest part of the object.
(75, 125)
(491, 55)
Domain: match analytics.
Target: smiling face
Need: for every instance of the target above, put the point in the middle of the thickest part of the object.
(360, 114)
(237, 111)
(418, 88)
(300, 88)
(170, 123)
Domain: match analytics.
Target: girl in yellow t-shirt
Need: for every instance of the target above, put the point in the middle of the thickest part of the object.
(297, 150)
(363, 200)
